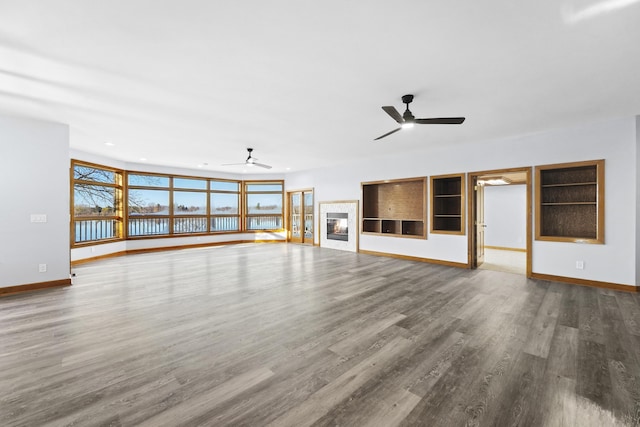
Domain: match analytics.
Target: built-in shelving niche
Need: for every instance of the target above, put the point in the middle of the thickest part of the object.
(570, 202)
(395, 207)
(447, 204)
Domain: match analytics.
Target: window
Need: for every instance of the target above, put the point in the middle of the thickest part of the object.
(190, 183)
(263, 201)
(97, 203)
(189, 205)
(110, 204)
(225, 205)
(165, 205)
(148, 201)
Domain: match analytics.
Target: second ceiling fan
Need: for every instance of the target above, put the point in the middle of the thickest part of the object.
(251, 161)
(407, 119)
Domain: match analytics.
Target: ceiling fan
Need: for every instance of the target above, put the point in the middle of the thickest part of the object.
(407, 119)
(251, 161)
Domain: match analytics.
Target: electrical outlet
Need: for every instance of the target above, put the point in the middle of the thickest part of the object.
(42, 268)
(580, 265)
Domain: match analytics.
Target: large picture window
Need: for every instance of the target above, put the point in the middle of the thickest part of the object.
(97, 203)
(111, 204)
(264, 201)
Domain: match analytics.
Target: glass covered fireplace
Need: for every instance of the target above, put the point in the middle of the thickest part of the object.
(337, 226)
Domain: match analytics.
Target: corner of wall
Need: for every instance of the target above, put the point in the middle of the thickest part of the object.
(637, 184)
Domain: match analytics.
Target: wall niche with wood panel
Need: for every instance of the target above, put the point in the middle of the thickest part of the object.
(570, 202)
(447, 204)
(395, 207)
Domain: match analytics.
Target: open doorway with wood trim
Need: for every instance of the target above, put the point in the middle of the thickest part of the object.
(300, 220)
(499, 207)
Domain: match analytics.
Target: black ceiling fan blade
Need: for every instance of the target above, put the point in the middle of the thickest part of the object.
(441, 121)
(393, 113)
(387, 134)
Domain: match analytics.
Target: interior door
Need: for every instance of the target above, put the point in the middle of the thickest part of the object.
(480, 224)
(295, 217)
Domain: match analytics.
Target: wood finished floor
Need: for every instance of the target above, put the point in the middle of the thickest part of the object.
(288, 335)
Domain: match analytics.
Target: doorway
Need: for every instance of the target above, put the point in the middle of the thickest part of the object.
(500, 199)
(300, 219)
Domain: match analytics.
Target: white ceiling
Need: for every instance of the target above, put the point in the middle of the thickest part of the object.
(186, 82)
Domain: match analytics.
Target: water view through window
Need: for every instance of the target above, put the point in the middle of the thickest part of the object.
(165, 205)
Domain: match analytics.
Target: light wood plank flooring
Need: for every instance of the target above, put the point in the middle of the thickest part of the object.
(505, 260)
(289, 335)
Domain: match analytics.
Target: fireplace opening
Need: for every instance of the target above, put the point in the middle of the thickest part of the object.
(337, 226)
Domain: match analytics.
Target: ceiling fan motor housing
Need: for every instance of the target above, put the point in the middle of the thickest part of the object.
(407, 99)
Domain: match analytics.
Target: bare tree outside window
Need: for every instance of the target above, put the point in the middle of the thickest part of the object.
(97, 203)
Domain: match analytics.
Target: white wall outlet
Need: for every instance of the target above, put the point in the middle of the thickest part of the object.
(580, 265)
(38, 217)
(42, 268)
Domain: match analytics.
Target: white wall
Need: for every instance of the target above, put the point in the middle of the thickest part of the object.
(505, 214)
(34, 171)
(612, 140)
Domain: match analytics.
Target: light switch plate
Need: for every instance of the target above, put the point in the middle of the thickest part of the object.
(38, 217)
